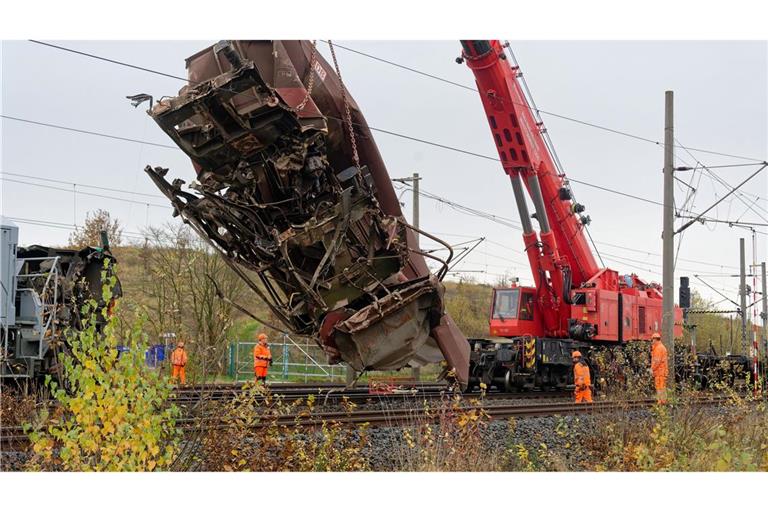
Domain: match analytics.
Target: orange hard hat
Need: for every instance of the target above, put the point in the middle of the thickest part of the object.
(576, 353)
(262, 337)
(656, 336)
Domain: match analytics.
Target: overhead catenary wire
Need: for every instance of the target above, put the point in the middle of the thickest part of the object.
(89, 132)
(471, 211)
(393, 133)
(496, 218)
(113, 61)
(415, 139)
(508, 223)
(739, 194)
(61, 225)
(546, 112)
(717, 178)
(96, 187)
(538, 110)
(733, 190)
(79, 192)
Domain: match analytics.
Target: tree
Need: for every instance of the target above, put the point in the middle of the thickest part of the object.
(468, 304)
(178, 287)
(711, 328)
(89, 234)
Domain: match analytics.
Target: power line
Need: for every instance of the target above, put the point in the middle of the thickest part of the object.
(606, 189)
(388, 132)
(716, 166)
(496, 219)
(111, 61)
(75, 191)
(505, 221)
(61, 225)
(87, 132)
(372, 128)
(538, 110)
(714, 176)
(631, 260)
(659, 255)
(732, 223)
(733, 190)
(623, 247)
(401, 66)
(739, 194)
(51, 180)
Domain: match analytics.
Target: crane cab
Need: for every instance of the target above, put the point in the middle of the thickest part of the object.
(513, 312)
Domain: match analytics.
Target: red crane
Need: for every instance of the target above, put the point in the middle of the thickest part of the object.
(573, 300)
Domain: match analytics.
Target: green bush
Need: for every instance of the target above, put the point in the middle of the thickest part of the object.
(112, 412)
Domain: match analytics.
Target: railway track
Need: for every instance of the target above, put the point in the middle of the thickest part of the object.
(13, 437)
(325, 394)
(393, 417)
(193, 398)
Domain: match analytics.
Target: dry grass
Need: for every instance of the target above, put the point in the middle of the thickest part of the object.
(447, 436)
(244, 435)
(684, 437)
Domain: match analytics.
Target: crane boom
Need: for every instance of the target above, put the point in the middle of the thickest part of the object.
(523, 151)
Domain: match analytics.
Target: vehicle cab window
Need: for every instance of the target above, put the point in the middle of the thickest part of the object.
(526, 306)
(505, 304)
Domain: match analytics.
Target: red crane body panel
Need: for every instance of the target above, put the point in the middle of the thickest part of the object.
(594, 304)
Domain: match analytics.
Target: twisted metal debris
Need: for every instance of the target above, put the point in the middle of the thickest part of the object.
(293, 193)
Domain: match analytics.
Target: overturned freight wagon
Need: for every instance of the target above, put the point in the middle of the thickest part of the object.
(291, 189)
(42, 294)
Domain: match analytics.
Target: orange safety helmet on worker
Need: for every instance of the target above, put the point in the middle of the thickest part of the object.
(262, 358)
(659, 367)
(179, 362)
(581, 379)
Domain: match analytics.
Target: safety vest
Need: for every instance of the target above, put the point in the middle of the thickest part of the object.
(261, 356)
(659, 365)
(581, 376)
(179, 357)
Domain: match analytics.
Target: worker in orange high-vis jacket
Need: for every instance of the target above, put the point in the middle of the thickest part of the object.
(581, 379)
(179, 362)
(262, 358)
(659, 367)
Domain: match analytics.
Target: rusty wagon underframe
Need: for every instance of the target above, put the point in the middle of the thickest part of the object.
(293, 193)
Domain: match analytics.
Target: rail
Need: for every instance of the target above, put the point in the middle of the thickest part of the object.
(14, 436)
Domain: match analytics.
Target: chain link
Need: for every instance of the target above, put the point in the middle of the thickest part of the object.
(347, 113)
(310, 82)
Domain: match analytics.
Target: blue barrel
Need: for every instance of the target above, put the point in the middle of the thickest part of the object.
(155, 355)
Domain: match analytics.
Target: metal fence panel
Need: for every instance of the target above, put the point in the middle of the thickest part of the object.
(293, 360)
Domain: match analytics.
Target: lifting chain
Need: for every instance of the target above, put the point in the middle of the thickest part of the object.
(310, 82)
(347, 114)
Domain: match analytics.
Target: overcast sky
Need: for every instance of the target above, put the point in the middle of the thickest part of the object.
(721, 104)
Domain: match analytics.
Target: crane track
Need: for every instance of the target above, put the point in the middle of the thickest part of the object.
(14, 436)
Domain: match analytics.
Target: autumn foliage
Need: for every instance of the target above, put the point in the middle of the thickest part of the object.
(112, 412)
